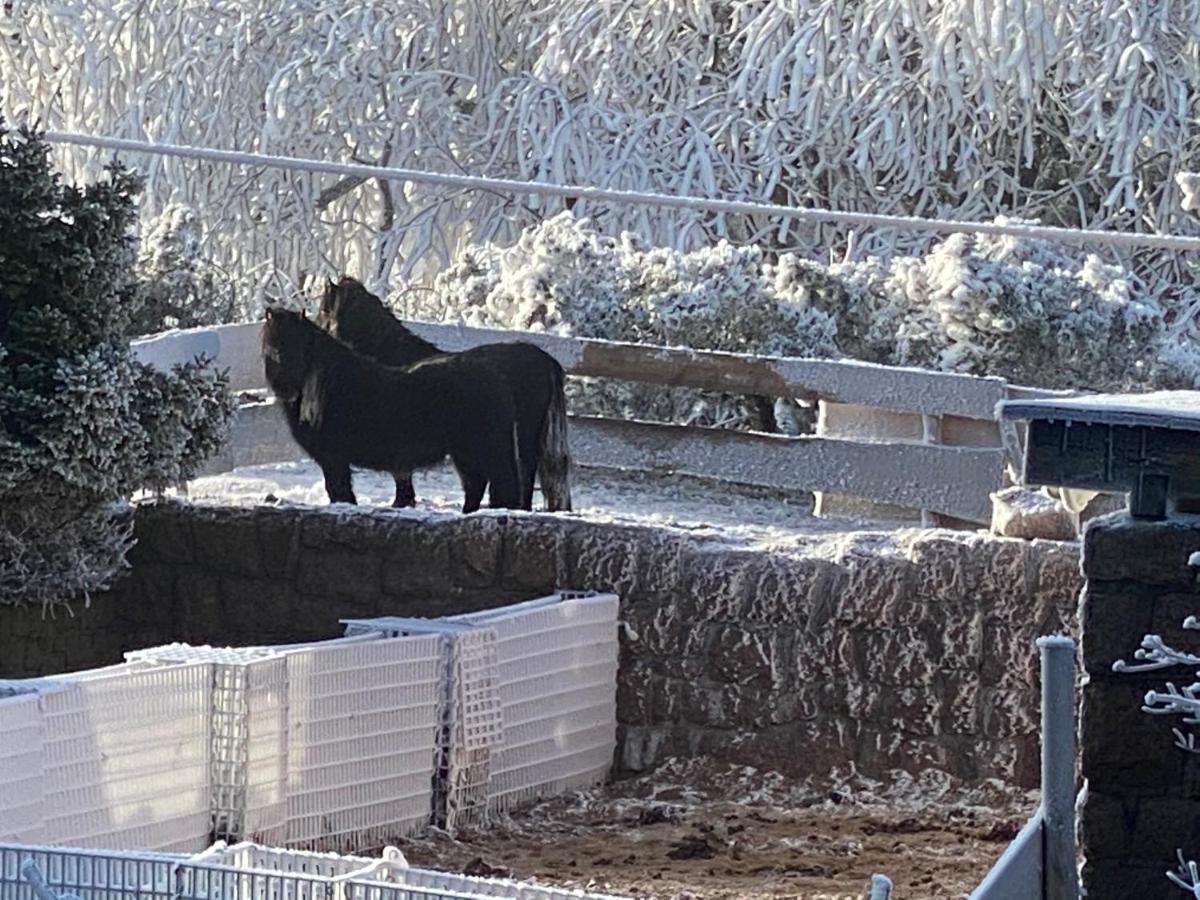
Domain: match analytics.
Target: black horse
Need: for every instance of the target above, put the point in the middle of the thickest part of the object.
(534, 378)
(347, 410)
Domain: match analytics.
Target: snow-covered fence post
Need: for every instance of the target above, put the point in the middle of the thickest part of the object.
(1058, 767)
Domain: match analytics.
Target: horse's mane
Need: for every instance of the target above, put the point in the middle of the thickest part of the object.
(366, 324)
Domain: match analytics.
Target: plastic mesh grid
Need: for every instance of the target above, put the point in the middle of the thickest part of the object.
(248, 736)
(90, 874)
(126, 759)
(252, 872)
(557, 665)
(473, 726)
(362, 717)
(22, 803)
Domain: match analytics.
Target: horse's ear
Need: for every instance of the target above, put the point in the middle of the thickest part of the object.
(269, 311)
(304, 314)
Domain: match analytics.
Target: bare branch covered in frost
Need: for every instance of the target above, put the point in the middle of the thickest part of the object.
(1073, 113)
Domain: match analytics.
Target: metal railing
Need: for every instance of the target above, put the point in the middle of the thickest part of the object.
(1040, 863)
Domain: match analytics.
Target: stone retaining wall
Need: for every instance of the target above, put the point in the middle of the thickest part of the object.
(904, 649)
(1142, 797)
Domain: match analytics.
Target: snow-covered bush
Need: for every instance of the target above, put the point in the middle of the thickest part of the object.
(1025, 310)
(1029, 311)
(82, 424)
(564, 276)
(1069, 113)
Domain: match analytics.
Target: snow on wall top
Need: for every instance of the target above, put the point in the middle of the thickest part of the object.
(1176, 410)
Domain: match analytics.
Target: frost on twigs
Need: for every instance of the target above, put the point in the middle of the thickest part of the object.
(1074, 114)
(566, 277)
(1187, 876)
(82, 423)
(1184, 702)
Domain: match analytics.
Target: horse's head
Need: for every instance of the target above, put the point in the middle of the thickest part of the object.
(288, 341)
(350, 312)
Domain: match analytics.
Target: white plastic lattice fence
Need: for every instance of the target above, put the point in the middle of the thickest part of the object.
(361, 726)
(553, 677)
(125, 758)
(22, 802)
(557, 667)
(89, 874)
(248, 736)
(249, 871)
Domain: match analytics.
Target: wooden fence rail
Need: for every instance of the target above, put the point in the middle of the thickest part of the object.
(954, 481)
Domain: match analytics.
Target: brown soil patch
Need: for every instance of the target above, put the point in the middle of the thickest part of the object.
(697, 832)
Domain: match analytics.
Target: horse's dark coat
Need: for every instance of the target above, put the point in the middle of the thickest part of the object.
(357, 317)
(347, 410)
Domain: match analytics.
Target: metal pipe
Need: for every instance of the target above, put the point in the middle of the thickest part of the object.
(1060, 875)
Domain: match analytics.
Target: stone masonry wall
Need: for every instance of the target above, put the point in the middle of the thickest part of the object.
(1142, 795)
(902, 649)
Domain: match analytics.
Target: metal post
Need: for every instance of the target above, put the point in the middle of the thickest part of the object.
(1060, 879)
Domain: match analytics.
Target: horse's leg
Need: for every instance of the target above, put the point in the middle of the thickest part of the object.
(527, 443)
(405, 495)
(506, 484)
(339, 484)
(473, 487)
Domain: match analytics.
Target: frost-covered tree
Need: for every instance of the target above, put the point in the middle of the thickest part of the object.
(182, 288)
(82, 424)
(1074, 113)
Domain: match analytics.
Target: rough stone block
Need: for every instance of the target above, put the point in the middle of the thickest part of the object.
(635, 694)
(943, 571)
(338, 571)
(279, 537)
(629, 561)
(1058, 582)
(416, 560)
(657, 630)
(1113, 618)
(1127, 880)
(751, 656)
(1121, 548)
(1124, 748)
(1138, 830)
(1021, 512)
(1011, 658)
(163, 532)
(475, 543)
(876, 584)
(1007, 714)
(530, 558)
(230, 544)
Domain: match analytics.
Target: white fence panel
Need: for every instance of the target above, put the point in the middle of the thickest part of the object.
(125, 756)
(362, 722)
(89, 874)
(555, 678)
(557, 669)
(248, 736)
(22, 801)
(127, 761)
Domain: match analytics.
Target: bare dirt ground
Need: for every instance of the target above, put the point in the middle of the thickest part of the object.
(699, 831)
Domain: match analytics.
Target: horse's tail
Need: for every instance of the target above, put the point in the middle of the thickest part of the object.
(554, 462)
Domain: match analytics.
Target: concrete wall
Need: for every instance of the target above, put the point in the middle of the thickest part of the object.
(1142, 795)
(902, 649)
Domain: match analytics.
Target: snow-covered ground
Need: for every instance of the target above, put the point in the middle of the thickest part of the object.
(736, 514)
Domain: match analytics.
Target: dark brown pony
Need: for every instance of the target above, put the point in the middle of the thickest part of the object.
(347, 410)
(534, 378)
